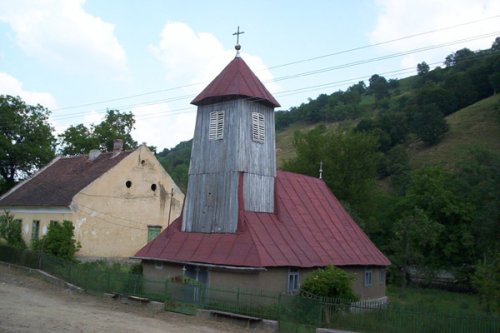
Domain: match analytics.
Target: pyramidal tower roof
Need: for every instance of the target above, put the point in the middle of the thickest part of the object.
(236, 80)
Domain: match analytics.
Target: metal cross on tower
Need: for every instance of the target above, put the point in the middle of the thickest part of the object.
(237, 34)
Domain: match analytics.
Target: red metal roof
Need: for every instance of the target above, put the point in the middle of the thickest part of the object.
(236, 80)
(61, 180)
(309, 229)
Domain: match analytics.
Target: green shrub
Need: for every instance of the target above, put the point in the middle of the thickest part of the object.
(10, 230)
(329, 282)
(59, 241)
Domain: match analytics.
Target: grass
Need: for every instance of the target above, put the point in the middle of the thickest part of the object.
(435, 300)
(476, 125)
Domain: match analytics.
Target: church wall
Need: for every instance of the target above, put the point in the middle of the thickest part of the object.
(273, 280)
(377, 288)
(212, 203)
(236, 151)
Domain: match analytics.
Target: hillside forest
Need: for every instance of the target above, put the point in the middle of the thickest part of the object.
(415, 160)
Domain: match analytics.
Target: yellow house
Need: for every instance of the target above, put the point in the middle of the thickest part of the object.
(117, 201)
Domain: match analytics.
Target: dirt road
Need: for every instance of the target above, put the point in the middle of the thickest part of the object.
(29, 304)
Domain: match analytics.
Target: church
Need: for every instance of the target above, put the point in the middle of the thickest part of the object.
(246, 225)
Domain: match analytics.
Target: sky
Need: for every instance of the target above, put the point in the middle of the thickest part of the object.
(79, 58)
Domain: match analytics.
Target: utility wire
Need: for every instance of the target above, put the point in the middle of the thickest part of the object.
(280, 93)
(290, 63)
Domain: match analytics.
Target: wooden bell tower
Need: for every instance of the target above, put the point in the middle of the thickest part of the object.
(233, 151)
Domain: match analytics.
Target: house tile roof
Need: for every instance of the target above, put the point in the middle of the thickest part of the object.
(236, 80)
(310, 228)
(56, 184)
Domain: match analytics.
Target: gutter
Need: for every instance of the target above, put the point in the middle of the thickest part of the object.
(236, 268)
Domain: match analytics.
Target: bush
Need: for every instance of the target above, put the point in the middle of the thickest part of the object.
(59, 241)
(329, 282)
(10, 230)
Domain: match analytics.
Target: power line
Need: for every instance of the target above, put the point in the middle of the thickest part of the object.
(290, 63)
(283, 93)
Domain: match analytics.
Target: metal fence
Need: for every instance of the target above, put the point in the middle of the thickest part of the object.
(294, 313)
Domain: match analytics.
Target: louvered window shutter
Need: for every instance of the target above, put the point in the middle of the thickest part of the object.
(258, 128)
(216, 129)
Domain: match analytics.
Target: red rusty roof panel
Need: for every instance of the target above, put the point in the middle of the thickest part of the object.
(310, 229)
(236, 80)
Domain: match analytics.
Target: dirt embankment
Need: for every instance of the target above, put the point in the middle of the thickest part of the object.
(30, 304)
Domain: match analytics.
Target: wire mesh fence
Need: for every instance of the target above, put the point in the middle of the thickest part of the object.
(295, 313)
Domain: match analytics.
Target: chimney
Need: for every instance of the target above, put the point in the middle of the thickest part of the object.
(93, 154)
(117, 145)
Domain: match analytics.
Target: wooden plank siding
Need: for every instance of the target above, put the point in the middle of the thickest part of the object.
(212, 201)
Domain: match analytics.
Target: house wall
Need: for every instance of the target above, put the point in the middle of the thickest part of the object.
(111, 220)
(28, 214)
(272, 280)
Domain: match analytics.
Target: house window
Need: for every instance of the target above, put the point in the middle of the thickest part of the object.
(381, 277)
(258, 129)
(153, 231)
(53, 222)
(368, 277)
(35, 229)
(293, 280)
(216, 129)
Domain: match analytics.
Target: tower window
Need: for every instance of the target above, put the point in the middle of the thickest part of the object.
(216, 129)
(258, 129)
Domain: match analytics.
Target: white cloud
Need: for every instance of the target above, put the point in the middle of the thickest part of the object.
(193, 57)
(93, 117)
(159, 126)
(187, 57)
(61, 33)
(9, 85)
(398, 18)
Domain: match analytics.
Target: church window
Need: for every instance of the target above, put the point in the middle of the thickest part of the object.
(382, 276)
(293, 280)
(258, 129)
(368, 278)
(216, 129)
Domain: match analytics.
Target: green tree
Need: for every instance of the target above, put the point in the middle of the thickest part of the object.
(329, 282)
(487, 283)
(429, 124)
(116, 125)
(59, 241)
(80, 139)
(77, 140)
(350, 161)
(478, 178)
(378, 87)
(10, 230)
(415, 236)
(422, 69)
(436, 192)
(26, 140)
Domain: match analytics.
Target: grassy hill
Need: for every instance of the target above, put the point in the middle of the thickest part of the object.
(477, 124)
